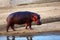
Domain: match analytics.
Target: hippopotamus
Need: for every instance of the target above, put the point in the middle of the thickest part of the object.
(23, 17)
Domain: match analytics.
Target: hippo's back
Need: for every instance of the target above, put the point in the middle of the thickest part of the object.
(20, 17)
(20, 14)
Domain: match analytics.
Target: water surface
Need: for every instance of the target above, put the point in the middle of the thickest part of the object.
(43, 36)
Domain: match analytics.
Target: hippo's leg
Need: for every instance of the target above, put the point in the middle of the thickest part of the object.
(30, 26)
(27, 24)
(7, 26)
(12, 27)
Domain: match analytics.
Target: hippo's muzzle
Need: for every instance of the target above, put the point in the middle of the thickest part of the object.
(39, 22)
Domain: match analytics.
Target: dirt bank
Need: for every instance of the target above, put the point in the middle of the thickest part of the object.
(49, 12)
(55, 26)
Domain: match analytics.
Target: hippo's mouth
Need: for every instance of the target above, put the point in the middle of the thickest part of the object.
(39, 23)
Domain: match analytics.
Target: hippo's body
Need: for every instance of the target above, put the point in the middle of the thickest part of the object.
(24, 17)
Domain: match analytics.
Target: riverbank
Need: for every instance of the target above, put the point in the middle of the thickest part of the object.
(49, 12)
(49, 27)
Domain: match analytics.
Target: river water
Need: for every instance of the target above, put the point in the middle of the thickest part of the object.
(42, 36)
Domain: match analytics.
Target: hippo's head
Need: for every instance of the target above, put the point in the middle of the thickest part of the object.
(36, 18)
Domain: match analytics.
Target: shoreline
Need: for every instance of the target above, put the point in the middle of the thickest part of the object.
(15, 33)
(44, 28)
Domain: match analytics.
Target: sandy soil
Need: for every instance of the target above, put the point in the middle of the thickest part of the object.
(48, 12)
(49, 27)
